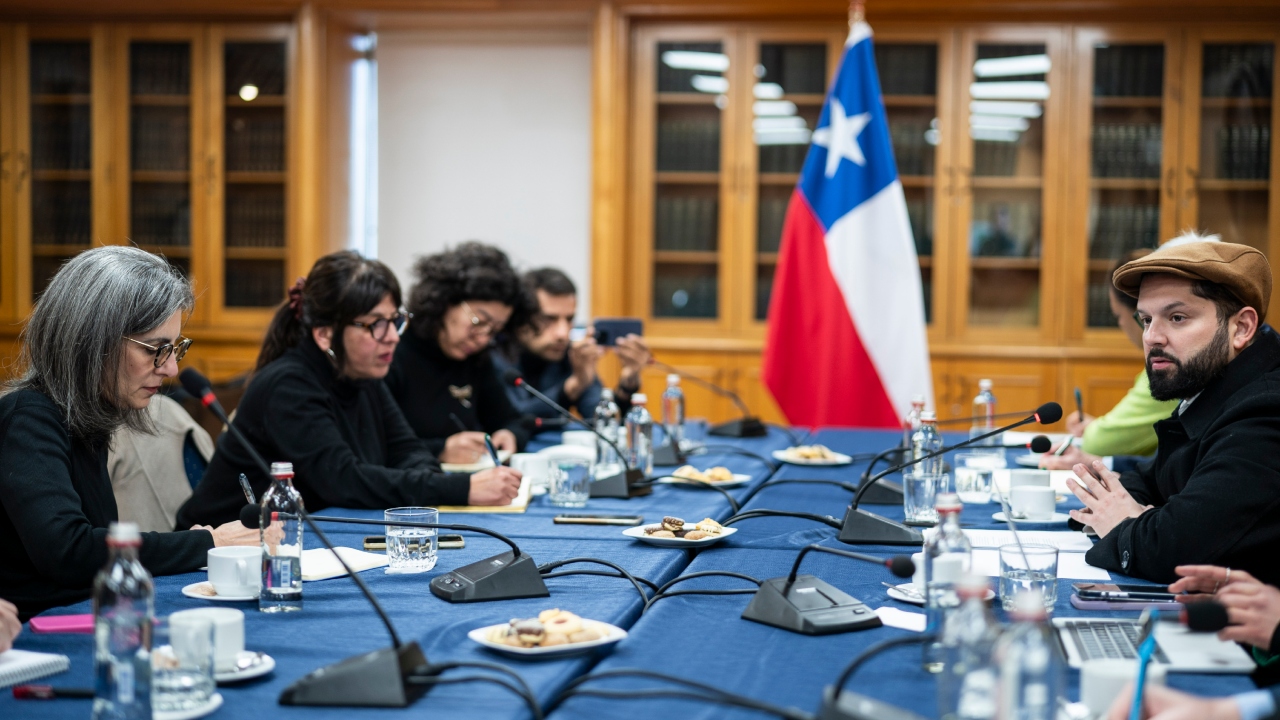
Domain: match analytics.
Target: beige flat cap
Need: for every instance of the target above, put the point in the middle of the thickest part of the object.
(1242, 269)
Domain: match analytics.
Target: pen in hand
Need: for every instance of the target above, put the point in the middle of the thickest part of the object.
(1079, 405)
(488, 443)
(248, 491)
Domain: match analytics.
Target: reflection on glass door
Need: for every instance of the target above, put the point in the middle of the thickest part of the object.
(1008, 97)
(1126, 141)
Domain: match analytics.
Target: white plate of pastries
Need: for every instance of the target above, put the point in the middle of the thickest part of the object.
(720, 476)
(811, 455)
(675, 532)
(554, 633)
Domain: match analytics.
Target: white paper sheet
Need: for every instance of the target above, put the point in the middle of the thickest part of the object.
(893, 617)
(1065, 541)
(1071, 566)
(320, 563)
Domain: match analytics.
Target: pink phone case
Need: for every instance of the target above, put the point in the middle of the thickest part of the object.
(1079, 604)
(63, 624)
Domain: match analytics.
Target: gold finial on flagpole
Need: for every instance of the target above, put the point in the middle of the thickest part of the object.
(856, 14)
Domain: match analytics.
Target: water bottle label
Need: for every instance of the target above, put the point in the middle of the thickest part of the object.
(124, 681)
(284, 568)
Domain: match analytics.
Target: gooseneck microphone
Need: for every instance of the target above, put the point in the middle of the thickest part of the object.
(747, 425)
(627, 484)
(863, 528)
(807, 605)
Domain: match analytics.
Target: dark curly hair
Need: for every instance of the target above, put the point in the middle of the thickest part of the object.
(470, 271)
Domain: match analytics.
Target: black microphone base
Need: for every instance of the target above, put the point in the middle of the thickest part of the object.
(624, 485)
(884, 492)
(808, 606)
(667, 454)
(376, 679)
(862, 528)
(852, 706)
(742, 427)
(501, 577)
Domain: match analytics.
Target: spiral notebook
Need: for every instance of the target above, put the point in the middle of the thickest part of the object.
(20, 666)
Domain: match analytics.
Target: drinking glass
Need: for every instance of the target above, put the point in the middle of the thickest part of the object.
(1032, 567)
(974, 474)
(918, 495)
(410, 549)
(570, 482)
(181, 664)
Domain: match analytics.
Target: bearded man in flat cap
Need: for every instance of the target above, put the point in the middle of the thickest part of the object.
(1212, 493)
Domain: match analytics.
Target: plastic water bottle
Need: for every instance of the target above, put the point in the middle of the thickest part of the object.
(607, 420)
(640, 435)
(673, 411)
(947, 555)
(924, 441)
(912, 422)
(984, 413)
(967, 686)
(281, 563)
(1032, 677)
(123, 615)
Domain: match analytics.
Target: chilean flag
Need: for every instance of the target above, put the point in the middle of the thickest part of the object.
(846, 342)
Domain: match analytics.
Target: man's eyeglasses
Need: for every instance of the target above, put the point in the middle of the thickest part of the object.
(1137, 317)
(163, 352)
(378, 328)
(482, 323)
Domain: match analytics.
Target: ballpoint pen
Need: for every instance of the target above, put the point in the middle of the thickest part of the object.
(248, 491)
(1079, 405)
(488, 443)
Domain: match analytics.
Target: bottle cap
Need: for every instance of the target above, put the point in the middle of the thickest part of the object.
(984, 384)
(947, 502)
(124, 533)
(928, 416)
(673, 379)
(281, 468)
(606, 394)
(1029, 605)
(638, 399)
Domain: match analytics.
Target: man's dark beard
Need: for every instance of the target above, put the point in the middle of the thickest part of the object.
(1188, 379)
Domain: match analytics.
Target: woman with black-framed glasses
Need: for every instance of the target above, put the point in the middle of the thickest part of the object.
(317, 400)
(101, 340)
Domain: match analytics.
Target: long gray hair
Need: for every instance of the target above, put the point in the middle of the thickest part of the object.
(73, 344)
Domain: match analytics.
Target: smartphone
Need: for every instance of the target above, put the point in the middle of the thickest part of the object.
(1121, 593)
(596, 519)
(447, 542)
(608, 330)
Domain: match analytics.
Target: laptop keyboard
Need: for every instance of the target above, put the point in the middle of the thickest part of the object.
(1112, 639)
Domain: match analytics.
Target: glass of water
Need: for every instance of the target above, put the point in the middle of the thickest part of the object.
(974, 474)
(181, 664)
(918, 494)
(411, 549)
(1032, 567)
(570, 482)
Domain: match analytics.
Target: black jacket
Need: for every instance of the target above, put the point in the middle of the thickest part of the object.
(58, 503)
(429, 385)
(1215, 480)
(349, 445)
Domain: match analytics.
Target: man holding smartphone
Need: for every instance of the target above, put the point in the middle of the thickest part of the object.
(560, 365)
(1212, 494)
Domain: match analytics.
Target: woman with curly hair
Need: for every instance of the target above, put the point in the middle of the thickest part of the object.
(462, 300)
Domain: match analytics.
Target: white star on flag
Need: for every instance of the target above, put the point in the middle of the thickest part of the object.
(840, 137)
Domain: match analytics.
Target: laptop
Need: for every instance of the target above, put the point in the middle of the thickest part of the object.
(1177, 648)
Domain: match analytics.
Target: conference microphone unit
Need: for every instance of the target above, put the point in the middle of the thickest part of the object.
(745, 426)
(507, 576)
(863, 528)
(627, 484)
(887, 492)
(807, 605)
(382, 678)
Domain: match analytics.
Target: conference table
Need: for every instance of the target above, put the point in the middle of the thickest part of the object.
(697, 637)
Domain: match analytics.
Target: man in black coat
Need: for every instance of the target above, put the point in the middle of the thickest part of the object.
(1212, 494)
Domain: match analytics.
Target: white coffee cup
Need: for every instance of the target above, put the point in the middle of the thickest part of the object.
(228, 632)
(1102, 680)
(583, 438)
(1020, 478)
(917, 578)
(236, 571)
(1032, 502)
(535, 467)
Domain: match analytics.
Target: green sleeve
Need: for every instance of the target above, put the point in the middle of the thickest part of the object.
(1127, 429)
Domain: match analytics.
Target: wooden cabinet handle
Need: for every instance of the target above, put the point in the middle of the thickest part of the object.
(1193, 178)
(24, 164)
(4, 165)
(1169, 177)
(211, 174)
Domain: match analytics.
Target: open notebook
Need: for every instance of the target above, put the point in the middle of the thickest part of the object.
(320, 564)
(519, 505)
(21, 666)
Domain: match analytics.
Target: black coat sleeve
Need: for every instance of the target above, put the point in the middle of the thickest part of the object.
(41, 501)
(493, 408)
(306, 428)
(407, 451)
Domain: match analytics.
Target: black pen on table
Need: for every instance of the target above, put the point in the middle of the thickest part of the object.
(48, 692)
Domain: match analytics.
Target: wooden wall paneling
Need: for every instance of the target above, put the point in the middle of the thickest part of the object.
(750, 386)
(305, 228)
(8, 174)
(105, 173)
(1017, 384)
(611, 282)
(20, 135)
(1102, 384)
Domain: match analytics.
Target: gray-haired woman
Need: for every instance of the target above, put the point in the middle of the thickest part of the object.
(100, 341)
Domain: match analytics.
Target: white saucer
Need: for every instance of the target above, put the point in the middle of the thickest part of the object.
(738, 479)
(897, 593)
(1057, 518)
(191, 592)
(1030, 460)
(215, 702)
(637, 533)
(836, 459)
(263, 665)
(611, 635)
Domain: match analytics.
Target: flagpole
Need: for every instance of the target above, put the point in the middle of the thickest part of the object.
(856, 14)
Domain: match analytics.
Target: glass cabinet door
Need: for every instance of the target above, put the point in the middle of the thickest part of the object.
(690, 86)
(1229, 193)
(60, 161)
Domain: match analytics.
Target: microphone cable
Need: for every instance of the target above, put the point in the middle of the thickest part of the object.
(662, 591)
(876, 650)
(635, 581)
(428, 675)
(765, 512)
(735, 450)
(708, 694)
(734, 506)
